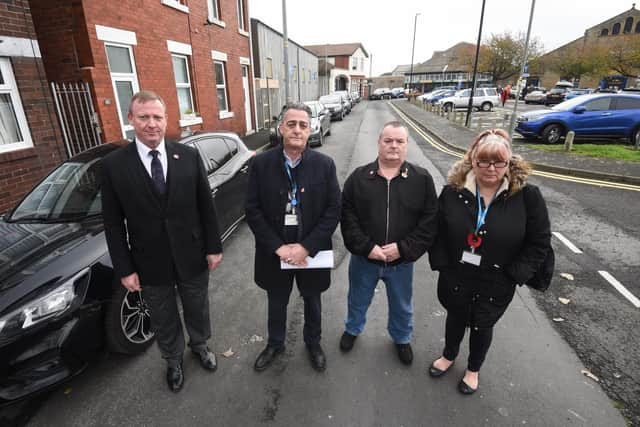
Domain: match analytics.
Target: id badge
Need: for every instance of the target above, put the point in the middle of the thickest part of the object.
(290, 219)
(471, 258)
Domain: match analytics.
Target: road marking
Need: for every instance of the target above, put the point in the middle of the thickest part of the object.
(620, 288)
(551, 175)
(567, 242)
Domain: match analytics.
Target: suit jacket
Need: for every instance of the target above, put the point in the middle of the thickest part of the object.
(267, 197)
(163, 239)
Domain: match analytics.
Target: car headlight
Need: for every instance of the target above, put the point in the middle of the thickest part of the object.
(52, 303)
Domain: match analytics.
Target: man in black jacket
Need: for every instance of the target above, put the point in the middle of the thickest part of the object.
(389, 210)
(162, 231)
(293, 208)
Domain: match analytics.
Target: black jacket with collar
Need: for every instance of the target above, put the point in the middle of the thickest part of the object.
(160, 238)
(515, 237)
(376, 211)
(267, 197)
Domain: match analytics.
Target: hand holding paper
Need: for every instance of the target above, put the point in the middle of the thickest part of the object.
(323, 259)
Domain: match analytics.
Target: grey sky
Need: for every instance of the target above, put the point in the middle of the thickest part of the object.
(386, 28)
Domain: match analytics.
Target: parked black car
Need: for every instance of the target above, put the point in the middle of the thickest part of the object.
(60, 304)
(335, 105)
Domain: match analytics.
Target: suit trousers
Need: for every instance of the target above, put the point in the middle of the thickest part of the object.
(277, 316)
(165, 318)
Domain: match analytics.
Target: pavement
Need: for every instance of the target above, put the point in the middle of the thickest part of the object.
(459, 138)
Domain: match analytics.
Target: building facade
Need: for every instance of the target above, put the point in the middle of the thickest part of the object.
(30, 140)
(269, 66)
(349, 67)
(194, 54)
(613, 34)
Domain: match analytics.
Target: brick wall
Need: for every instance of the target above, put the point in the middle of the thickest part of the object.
(342, 62)
(154, 24)
(21, 169)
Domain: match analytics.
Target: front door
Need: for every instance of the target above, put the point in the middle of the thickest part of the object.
(247, 97)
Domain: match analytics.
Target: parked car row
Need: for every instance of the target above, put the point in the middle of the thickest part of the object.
(60, 303)
(381, 93)
(591, 115)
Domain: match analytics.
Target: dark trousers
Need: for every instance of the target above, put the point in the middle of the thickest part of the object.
(277, 316)
(479, 339)
(165, 319)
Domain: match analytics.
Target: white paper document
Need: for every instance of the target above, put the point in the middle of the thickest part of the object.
(323, 259)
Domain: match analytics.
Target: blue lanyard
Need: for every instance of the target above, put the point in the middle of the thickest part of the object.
(294, 186)
(482, 213)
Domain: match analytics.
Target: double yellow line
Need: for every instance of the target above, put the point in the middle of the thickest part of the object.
(445, 149)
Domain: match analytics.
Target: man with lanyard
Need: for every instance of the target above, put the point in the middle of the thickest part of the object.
(293, 208)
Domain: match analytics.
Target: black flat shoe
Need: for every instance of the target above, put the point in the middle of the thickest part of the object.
(435, 372)
(267, 356)
(317, 358)
(175, 378)
(405, 353)
(207, 359)
(464, 387)
(347, 341)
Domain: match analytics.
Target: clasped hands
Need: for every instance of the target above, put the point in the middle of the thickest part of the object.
(386, 253)
(293, 253)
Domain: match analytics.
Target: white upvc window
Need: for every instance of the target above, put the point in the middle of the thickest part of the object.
(241, 21)
(183, 86)
(180, 5)
(213, 8)
(221, 89)
(14, 128)
(124, 79)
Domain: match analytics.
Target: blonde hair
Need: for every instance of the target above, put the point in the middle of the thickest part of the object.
(492, 143)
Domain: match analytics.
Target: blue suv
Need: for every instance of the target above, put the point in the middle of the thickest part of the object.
(598, 115)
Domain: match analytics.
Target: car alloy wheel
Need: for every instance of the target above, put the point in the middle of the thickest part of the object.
(447, 107)
(552, 133)
(636, 138)
(135, 318)
(486, 106)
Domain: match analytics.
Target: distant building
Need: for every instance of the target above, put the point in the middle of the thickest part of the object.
(450, 67)
(612, 33)
(30, 139)
(350, 63)
(401, 70)
(268, 58)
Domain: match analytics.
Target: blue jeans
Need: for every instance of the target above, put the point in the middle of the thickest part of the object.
(363, 279)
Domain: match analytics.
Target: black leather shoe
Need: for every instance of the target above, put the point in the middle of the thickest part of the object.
(464, 388)
(207, 359)
(175, 378)
(435, 372)
(317, 358)
(347, 341)
(405, 353)
(267, 356)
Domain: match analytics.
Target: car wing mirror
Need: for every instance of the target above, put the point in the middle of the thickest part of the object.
(580, 109)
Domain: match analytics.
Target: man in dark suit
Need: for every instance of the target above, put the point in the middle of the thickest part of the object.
(293, 208)
(162, 232)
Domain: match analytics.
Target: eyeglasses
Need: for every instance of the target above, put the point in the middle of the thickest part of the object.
(484, 164)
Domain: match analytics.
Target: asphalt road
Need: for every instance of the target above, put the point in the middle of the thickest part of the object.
(532, 376)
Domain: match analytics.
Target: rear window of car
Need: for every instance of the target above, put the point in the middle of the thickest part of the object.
(627, 104)
(491, 92)
(215, 152)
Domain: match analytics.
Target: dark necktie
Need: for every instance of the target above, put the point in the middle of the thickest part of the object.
(157, 175)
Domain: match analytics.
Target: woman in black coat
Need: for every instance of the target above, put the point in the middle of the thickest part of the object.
(493, 234)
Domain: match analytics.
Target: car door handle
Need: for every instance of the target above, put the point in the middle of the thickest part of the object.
(244, 169)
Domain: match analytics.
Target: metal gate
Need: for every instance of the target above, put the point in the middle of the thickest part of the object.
(78, 119)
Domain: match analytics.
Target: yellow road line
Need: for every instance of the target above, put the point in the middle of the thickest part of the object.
(551, 175)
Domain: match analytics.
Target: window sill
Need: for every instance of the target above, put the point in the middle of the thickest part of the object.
(226, 115)
(17, 154)
(174, 4)
(243, 32)
(190, 122)
(217, 22)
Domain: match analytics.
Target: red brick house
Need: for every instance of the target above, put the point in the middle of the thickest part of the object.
(349, 66)
(194, 53)
(30, 141)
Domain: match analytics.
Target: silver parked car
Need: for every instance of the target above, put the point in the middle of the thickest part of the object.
(320, 123)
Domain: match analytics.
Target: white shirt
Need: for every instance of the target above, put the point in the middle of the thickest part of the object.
(146, 157)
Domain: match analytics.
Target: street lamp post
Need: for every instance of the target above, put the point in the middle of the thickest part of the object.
(415, 23)
(512, 122)
(475, 68)
(285, 52)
